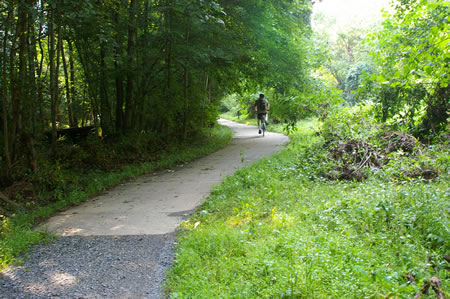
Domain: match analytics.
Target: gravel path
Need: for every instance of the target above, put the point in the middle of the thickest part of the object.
(92, 267)
(120, 244)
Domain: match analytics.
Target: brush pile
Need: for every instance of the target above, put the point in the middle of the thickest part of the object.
(353, 157)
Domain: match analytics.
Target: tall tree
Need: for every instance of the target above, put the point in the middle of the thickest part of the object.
(412, 75)
(4, 89)
(130, 104)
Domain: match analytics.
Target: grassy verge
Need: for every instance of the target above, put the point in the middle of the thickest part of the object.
(277, 229)
(16, 234)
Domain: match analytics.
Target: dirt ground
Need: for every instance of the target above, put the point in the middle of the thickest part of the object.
(120, 244)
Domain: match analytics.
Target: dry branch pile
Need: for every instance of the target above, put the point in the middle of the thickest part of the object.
(351, 157)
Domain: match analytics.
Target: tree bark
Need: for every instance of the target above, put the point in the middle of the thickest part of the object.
(169, 67)
(118, 74)
(33, 89)
(40, 86)
(58, 62)
(129, 103)
(30, 92)
(72, 81)
(53, 74)
(14, 93)
(186, 86)
(105, 109)
(67, 82)
(5, 94)
(22, 79)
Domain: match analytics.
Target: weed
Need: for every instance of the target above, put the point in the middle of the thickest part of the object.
(279, 229)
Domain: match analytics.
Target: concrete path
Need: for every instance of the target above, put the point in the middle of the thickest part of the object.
(156, 204)
(120, 244)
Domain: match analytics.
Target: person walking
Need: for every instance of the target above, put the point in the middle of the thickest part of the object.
(262, 108)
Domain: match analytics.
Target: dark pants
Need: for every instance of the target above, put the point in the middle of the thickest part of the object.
(261, 116)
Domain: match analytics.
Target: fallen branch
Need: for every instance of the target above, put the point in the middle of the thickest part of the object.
(364, 163)
(436, 285)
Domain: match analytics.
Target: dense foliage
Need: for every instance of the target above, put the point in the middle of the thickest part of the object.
(159, 67)
(411, 84)
(342, 59)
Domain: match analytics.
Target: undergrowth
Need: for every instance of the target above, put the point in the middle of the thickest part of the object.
(282, 229)
(60, 184)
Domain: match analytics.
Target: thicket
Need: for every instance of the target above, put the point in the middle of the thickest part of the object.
(410, 83)
(400, 64)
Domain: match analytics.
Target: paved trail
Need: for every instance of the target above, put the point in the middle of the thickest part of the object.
(119, 244)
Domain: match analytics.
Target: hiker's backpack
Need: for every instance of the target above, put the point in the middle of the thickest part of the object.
(262, 105)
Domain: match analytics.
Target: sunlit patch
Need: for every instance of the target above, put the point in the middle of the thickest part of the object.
(117, 227)
(280, 219)
(239, 220)
(63, 279)
(72, 231)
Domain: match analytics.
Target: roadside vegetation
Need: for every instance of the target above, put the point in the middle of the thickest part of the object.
(357, 205)
(288, 226)
(69, 182)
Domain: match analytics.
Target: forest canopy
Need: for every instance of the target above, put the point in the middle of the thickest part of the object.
(159, 67)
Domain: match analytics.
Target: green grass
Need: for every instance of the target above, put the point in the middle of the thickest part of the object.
(16, 234)
(278, 230)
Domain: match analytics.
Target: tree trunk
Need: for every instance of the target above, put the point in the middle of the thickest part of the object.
(186, 86)
(72, 81)
(169, 49)
(67, 81)
(129, 103)
(119, 76)
(40, 86)
(119, 100)
(58, 63)
(105, 109)
(22, 82)
(53, 74)
(15, 89)
(32, 59)
(30, 96)
(5, 94)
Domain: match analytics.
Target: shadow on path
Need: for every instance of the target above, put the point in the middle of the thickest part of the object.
(92, 267)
